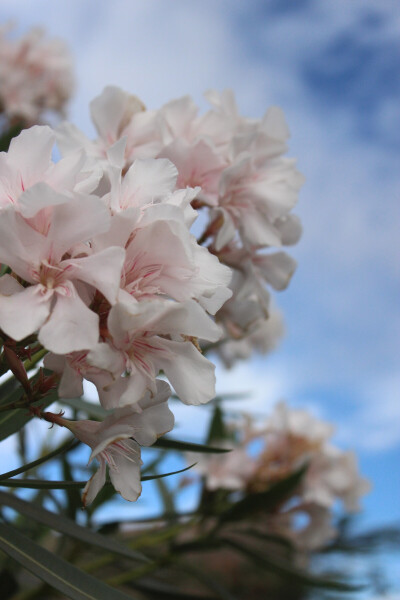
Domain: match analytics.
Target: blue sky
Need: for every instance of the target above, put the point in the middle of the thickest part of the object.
(333, 67)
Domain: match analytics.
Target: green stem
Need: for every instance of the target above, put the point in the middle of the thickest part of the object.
(14, 405)
(30, 363)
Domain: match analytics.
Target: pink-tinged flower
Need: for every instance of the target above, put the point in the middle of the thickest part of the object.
(116, 441)
(263, 337)
(294, 437)
(146, 182)
(35, 75)
(28, 162)
(115, 114)
(230, 471)
(150, 336)
(164, 260)
(253, 197)
(315, 529)
(36, 244)
(198, 164)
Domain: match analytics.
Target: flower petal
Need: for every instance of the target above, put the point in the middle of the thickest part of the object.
(190, 373)
(94, 484)
(71, 326)
(126, 476)
(23, 313)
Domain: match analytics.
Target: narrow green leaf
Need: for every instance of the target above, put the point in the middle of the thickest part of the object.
(271, 538)
(160, 475)
(55, 571)
(63, 448)
(207, 580)
(73, 496)
(167, 592)
(287, 570)
(13, 420)
(67, 526)
(168, 444)
(166, 496)
(43, 484)
(265, 501)
(216, 431)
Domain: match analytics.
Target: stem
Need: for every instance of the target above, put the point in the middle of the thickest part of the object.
(127, 576)
(29, 364)
(13, 405)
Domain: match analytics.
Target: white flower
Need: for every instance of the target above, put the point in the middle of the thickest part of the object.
(35, 75)
(116, 441)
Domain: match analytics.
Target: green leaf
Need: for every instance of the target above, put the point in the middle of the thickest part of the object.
(63, 448)
(264, 501)
(207, 580)
(216, 431)
(43, 484)
(165, 591)
(271, 538)
(160, 475)
(12, 421)
(7, 136)
(287, 570)
(68, 527)
(168, 444)
(55, 571)
(166, 496)
(73, 496)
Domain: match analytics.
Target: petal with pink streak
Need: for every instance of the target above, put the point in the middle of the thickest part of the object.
(94, 484)
(126, 476)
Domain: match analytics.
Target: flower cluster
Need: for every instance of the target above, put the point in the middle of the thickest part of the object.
(291, 439)
(112, 283)
(100, 265)
(35, 75)
(244, 186)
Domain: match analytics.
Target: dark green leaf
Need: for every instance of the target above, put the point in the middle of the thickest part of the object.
(166, 496)
(42, 484)
(7, 136)
(56, 572)
(265, 501)
(287, 570)
(271, 538)
(67, 526)
(63, 448)
(159, 475)
(73, 495)
(8, 584)
(207, 580)
(167, 592)
(168, 444)
(216, 431)
(12, 420)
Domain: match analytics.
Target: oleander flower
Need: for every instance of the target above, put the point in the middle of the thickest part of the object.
(37, 244)
(35, 75)
(115, 442)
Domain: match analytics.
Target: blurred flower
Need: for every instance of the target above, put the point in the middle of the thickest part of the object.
(35, 75)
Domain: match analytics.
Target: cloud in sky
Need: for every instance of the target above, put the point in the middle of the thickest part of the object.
(332, 66)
